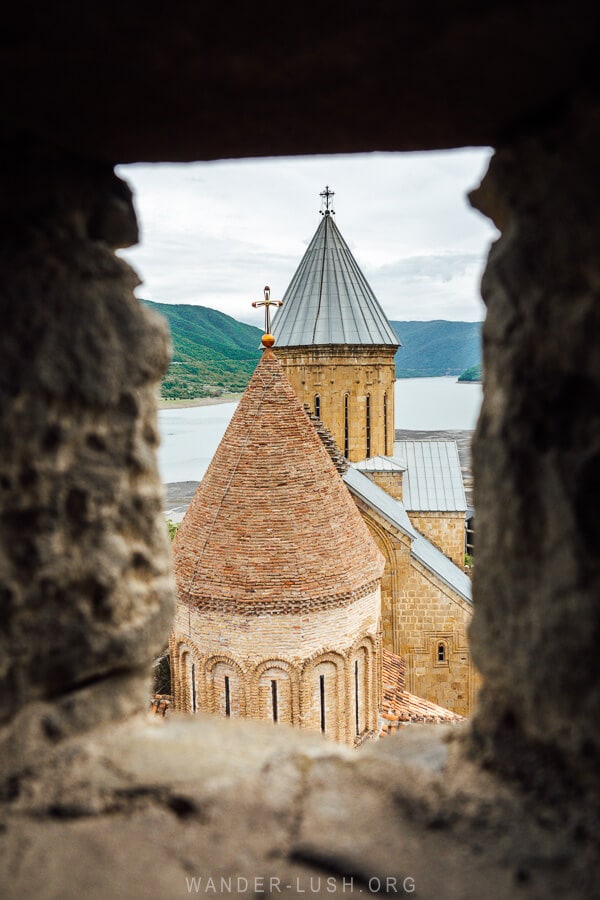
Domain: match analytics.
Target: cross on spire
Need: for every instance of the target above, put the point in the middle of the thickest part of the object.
(326, 196)
(267, 303)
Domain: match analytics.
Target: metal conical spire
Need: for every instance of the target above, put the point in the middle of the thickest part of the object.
(329, 300)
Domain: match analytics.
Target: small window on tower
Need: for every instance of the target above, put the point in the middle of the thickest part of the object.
(385, 423)
(317, 406)
(346, 423)
(368, 424)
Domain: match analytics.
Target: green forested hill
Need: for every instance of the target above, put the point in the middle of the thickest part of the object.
(471, 374)
(212, 352)
(437, 348)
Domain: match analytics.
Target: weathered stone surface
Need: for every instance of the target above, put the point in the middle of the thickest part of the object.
(196, 81)
(133, 808)
(537, 464)
(137, 808)
(84, 563)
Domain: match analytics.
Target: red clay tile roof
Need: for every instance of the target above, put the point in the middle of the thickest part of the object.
(400, 706)
(272, 519)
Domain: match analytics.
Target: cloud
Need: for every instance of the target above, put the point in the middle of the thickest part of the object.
(216, 233)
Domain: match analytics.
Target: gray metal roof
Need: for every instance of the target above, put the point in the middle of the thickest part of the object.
(381, 464)
(421, 549)
(329, 301)
(433, 478)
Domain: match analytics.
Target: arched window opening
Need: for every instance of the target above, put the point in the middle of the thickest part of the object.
(193, 685)
(368, 424)
(317, 406)
(346, 423)
(322, 701)
(442, 652)
(227, 697)
(274, 699)
(356, 699)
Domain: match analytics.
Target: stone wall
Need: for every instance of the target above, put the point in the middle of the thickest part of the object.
(420, 612)
(446, 530)
(536, 458)
(84, 557)
(390, 482)
(507, 808)
(252, 649)
(333, 372)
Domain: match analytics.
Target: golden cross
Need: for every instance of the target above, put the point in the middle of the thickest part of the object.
(267, 303)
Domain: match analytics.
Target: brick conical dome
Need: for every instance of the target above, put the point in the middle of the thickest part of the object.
(272, 521)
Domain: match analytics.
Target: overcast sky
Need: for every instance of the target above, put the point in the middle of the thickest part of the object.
(215, 233)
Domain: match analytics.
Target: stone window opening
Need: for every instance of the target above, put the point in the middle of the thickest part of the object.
(346, 424)
(368, 424)
(385, 423)
(317, 406)
(441, 653)
(322, 701)
(274, 700)
(227, 697)
(193, 686)
(356, 699)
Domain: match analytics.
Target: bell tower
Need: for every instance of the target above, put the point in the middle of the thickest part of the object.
(336, 345)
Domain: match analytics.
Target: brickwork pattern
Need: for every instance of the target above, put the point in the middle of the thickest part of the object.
(294, 650)
(272, 520)
(331, 373)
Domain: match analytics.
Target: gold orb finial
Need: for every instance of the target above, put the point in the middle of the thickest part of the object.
(267, 339)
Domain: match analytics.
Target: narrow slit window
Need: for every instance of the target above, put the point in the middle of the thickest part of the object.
(322, 699)
(317, 406)
(274, 699)
(356, 704)
(194, 698)
(385, 424)
(368, 424)
(441, 652)
(346, 423)
(227, 697)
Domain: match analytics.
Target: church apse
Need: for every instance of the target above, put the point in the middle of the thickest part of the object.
(278, 578)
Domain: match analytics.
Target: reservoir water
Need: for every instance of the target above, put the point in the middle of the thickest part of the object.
(191, 436)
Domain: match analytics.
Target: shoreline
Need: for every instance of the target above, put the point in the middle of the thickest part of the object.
(199, 401)
(234, 398)
(177, 495)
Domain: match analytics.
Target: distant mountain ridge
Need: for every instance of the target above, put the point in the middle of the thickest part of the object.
(435, 348)
(214, 353)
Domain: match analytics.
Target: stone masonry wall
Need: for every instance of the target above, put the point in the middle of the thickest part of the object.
(390, 482)
(446, 530)
(537, 578)
(332, 372)
(85, 585)
(418, 613)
